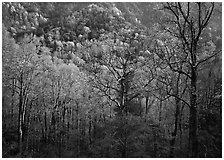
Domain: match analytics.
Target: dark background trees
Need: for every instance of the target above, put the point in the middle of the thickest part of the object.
(111, 79)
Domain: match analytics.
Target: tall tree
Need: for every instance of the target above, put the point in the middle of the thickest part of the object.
(20, 66)
(186, 22)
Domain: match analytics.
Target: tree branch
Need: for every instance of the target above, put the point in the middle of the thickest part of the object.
(206, 59)
(173, 95)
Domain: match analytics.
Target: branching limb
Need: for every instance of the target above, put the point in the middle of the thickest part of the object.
(206, 59)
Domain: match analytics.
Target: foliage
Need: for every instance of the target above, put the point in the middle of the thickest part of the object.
(111, 79)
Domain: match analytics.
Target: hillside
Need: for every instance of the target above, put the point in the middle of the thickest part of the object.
(111, 80)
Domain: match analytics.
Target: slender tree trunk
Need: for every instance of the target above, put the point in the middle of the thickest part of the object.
(72, 114)
(123, 150)
(60, 145)
(176, 124)
(193, 128)
(28, 124)
(94, 128)
(25, 114)
(45, 124)
(78, 128)
(21, 129)
(20, 119)
(68, 125)
(110, 112)
(160, 111)
(104, 117)
(12, 101)
(84, 127)
(63, 114)
(180, 125)
(146, 105)
(122, 136)
(77, 116)
(140, 105)
(20, 135)
(155, 148)
(90, 126)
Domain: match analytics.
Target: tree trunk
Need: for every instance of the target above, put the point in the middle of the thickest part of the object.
(94, 128)
(160, 111)
(73, 119)
(20, 123)
(193, 139)
(155, 148)
(20, 136)
(12, 103)
(63, 116)
(84, 127)
(146, 105)
(193, 125)
(176, 124)
(122, 136)
(140, 105)
(90, 126)
(45, 124)
(28, 121)
(180, 125)
(77, 115)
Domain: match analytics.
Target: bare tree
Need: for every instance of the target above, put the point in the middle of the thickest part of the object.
(186, 24)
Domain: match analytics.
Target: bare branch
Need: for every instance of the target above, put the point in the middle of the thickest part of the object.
(173, 95)
(176, 70)
(208, 15)
(182, 13)
(106, 94)
(206, 59)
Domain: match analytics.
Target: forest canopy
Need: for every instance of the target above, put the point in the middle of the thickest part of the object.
(111, 80)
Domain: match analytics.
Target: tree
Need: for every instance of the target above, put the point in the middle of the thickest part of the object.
(21, 68)
(186, 23)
